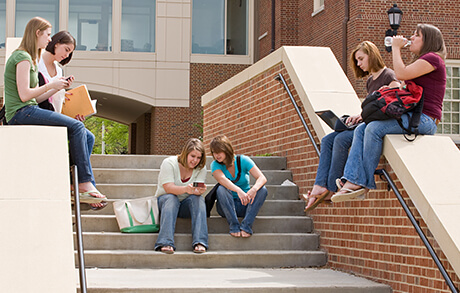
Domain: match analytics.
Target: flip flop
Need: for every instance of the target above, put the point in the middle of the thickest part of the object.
(319, 199)
(168, 250)
(199, 248)
(339, 183)
(86, 197)
(348, 194)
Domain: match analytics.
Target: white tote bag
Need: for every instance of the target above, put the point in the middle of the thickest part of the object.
(139, 215)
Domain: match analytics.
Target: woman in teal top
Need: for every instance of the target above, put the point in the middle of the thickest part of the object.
(22, 95)
(236, 199)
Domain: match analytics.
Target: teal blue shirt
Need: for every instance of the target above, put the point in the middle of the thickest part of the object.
(246, 165)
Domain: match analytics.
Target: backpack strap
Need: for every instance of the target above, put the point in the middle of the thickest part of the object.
(238, 164)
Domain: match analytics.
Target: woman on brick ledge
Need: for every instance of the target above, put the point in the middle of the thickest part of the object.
(365, 60)
(22, 95)
(177, 197)
(427, 70)
(236, 199)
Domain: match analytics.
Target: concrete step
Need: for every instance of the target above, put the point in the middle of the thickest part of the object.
(228, 280)
(150, 176)
(216, 224)
(154, 162)
(269, 208)
(213, 259)
(217, 242)
(120, 191)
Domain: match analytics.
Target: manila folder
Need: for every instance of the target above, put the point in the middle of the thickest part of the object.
(78, 103)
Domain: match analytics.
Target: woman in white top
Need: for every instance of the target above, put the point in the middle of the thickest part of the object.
(58, 53)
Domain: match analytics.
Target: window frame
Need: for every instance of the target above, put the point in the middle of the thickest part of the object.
(455, 137)
(318, 6)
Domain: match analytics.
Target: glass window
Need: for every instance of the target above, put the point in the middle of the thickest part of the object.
(212, 35)
(208, 20)
(2, 23)
(138, 26)
(27, 9)
(450, 123)
(237, 27)
(318, 6)
(90, 21)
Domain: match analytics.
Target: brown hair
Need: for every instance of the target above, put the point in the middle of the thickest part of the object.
(375, 59)
(433, 41)
(62, 37)
(193, 144)
(221, 143)
(29, 40)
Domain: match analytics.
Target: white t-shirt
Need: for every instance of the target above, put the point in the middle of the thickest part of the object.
(58, 98)
(170, 172)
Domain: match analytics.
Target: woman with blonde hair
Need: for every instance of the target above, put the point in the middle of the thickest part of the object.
(178, 197)
(22, 95)
(365, 61)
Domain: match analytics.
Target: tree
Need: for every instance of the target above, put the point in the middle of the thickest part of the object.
(116, 135)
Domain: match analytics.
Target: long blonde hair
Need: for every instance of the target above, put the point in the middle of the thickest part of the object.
(193, 144)
(375, 59)
(29, 41)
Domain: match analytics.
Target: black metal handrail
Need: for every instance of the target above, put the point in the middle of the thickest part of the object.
(392, 185)
(383, 172)
(81, 253)
(280, 78)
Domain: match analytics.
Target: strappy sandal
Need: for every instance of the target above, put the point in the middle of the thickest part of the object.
(319, 199)
(345, 194)
(199, 248)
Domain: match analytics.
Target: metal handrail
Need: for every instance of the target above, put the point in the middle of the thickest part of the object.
(81, 253)
(383, 172)
(420, 233)
(280, 78)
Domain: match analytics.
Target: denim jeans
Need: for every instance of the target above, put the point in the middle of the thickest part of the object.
(76, 133)
(231, 208)
(368, 144)
(192, 207)
(334, 154)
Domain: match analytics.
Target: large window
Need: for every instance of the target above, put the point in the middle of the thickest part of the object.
(90, 21)
(138, 26)
(220, 27)
(450, 123)
(27, 9)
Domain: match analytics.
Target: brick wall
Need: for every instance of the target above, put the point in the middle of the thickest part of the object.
(370, 238)
(172, 127)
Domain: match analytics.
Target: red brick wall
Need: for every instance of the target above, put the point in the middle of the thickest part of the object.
(371, 238)
(172, 127)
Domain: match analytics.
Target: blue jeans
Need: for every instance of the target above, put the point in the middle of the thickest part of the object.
(76, 133)
(170, 208)
(231, 208)
(368, 144)
(334, 154)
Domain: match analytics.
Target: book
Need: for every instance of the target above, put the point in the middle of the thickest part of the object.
(79, 103)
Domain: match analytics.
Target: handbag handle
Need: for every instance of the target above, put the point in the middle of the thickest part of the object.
(149, 207)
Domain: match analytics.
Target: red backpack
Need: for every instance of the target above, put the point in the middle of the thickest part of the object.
(392, 103)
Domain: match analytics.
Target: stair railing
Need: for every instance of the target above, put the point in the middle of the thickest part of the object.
(81, 253)
(383, 173)
(386, 177)
(280, 78)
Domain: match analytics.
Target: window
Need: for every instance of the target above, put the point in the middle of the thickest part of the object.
(90, 21)
(318, 6)
(220, 27)
(450, 123)
(138, 26)
(2, 23)
(27, 9)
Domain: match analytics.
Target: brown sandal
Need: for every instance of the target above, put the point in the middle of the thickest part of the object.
(199, 248)
(319, 199)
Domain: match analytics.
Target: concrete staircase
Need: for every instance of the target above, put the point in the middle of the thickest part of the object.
(283, 236)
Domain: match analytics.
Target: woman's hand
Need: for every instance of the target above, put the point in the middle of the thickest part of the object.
(70, 80)
(352, 120)
(251, 194)
(58, 84)
(244, 198)
(398, 42)
(195, 190)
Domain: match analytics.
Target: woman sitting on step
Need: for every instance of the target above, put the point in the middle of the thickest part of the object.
(177, 197)
(236, 199)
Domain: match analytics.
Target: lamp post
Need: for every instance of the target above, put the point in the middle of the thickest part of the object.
(395, 16)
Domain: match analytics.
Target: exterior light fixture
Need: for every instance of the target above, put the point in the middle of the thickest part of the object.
(395, 17)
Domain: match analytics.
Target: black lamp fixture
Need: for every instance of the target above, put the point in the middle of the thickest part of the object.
(395, 16)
